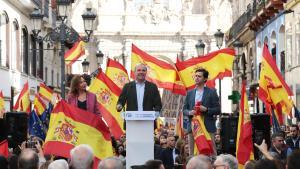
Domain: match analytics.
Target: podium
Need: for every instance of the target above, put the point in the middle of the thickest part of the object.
(139, 137)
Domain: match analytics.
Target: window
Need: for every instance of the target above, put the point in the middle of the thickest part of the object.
(33, 56)
(4, 34)
(46, 75)
(24, 46)
(57, 76)
(297, 57)
(52, 77)
(40, 60)
(15, 53)
(289, 47)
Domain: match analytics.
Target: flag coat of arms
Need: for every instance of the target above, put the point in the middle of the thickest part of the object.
(107, 93)
(70, 126)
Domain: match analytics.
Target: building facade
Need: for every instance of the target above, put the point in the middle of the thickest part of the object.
(22, 57)
(168, 28)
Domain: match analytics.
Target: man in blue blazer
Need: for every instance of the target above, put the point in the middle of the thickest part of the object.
(209, 108)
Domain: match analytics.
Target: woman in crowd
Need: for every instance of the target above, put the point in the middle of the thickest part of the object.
(80, 97)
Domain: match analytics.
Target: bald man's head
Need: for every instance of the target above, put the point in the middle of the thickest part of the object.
(28, 159)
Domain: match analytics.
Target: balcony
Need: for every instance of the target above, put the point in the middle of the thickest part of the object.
(265, 10)
(257, 14)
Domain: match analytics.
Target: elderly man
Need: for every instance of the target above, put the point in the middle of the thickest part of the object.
(28, 159)
(82, 157)
(111, 163)
(199, 162)
(226, 161)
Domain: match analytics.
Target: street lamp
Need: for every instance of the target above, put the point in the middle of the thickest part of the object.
(85, 66)
(238, 48)
(219, 36)
(100, 57)
(63, 8)
(63, 33)
(200, 46)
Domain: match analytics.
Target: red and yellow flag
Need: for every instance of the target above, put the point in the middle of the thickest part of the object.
(23, 101)
(244, 144)
(117, 73)
(39, 105)
(218, 64)
(75, 52)
(2, 106)
(273, 90)
(70, 126)
(45, 92)
(163, 74)
(107, 93)
(179, 125)
(203, 143)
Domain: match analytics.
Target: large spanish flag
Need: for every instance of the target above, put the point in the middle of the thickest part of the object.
(23, 101)
(107, 93)
(244, 144)
(2, 108)
(45, 92)
(163, 74)
(218, 63)
(273, 90)
(70, 126)
(203, 143)
(39, 105)
(75, 52)
(117, 73)
(179, 125)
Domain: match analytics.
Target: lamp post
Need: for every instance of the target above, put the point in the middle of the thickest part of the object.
(219, 36)
(63, 33)
(100, 57)
(200, 46)
(85, 66)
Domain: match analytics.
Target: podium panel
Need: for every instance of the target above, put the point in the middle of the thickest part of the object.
(139, 137)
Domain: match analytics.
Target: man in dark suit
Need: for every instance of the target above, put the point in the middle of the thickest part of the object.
(208, 108)
(140, 95)
(168, 155)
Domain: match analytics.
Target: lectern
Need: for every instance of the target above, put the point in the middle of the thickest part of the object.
(139, 137)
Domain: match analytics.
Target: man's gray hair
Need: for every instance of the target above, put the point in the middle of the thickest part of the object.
(82, 157)
(230, 160)
(59, 164)
(111, 163)
(140, 64)
(199, 162)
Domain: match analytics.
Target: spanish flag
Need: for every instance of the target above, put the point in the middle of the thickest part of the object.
(179, 125)
(117, 73)
(70, 126)
(163, 74)
(203, 143)
(273, 90)
(2, 108)
(45, 92)
(107, 93)
(75, 52)
(244, 144)
(218, 64)
(39, 105)
(23, 101)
